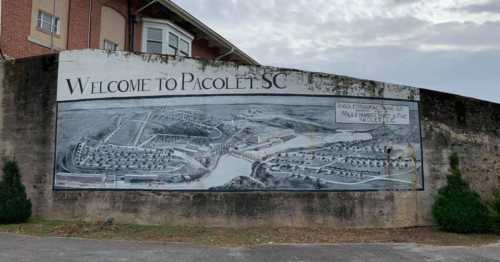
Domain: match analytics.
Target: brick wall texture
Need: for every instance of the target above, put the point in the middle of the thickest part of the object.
(16, 27)
(16, 21)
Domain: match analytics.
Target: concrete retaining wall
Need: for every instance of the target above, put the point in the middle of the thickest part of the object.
(450, 124)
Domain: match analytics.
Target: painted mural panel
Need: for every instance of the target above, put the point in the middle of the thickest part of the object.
(148, 122)
(234, 143)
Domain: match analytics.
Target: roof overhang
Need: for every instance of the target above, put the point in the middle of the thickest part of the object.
(214, 36)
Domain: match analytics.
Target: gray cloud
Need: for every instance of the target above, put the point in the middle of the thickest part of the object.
(493, 6)
(465, 34)
(388, 42)
(401, 2)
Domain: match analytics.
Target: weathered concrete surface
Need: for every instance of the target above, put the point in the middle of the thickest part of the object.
(343, 209)
(24, 248)
(27, 134)
(467, 126)
(450, 123)
(107, 66)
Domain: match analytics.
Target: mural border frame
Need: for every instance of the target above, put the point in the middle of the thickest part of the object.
(419, 110)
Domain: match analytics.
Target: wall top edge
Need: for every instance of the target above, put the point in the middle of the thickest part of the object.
(100, 74)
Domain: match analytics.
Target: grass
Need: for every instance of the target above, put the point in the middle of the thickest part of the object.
(244, 236)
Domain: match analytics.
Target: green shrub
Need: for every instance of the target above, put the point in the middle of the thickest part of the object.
(15, 207)
(457, 207)
(495, 212)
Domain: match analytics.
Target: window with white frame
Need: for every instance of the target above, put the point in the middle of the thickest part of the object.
(154, 40)
(163, 37)
(48, 23)
(110, 45)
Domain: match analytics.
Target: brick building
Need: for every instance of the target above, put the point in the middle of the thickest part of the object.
(37, 27)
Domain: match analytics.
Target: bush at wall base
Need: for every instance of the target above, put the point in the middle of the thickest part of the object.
(458, 208)
(15, 207)
(495, 212)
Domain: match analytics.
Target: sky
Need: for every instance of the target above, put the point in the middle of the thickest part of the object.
(446, 45)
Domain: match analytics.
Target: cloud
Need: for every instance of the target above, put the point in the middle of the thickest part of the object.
(466, 37)
(401, 2)
(493, 6)
(422, 43)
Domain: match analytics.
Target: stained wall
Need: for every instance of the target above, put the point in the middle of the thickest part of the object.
(450, 123)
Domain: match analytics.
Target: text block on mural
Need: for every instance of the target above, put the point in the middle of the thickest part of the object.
(129, 122)
(369, 113)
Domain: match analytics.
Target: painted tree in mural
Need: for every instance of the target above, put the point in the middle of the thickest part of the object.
(15, 207)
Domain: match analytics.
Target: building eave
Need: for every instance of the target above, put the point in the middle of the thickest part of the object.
(207, 30)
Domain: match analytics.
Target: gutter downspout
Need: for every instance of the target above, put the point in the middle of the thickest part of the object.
(225, 54)
(1, 18)
(130, 27)
(132, 21)
(52, 26)
(90, 24)
(2, 56)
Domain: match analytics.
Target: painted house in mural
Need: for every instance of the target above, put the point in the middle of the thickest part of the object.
(37, 27)
(218, 127)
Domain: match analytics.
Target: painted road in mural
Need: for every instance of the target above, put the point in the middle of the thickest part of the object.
(239, 143)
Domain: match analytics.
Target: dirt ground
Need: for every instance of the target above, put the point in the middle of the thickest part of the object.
(247, 236)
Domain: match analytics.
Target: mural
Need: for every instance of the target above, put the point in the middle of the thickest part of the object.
(239, 142)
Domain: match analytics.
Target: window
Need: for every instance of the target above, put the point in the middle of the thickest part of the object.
(177, 46)
(110, 45)
(48, 23)
(163, 37)
(154, 41)
(184, 48)
(173, 44)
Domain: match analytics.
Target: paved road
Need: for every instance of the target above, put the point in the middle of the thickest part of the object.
(25, 248)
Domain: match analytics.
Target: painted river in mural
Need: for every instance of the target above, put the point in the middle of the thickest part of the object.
(237, 143)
